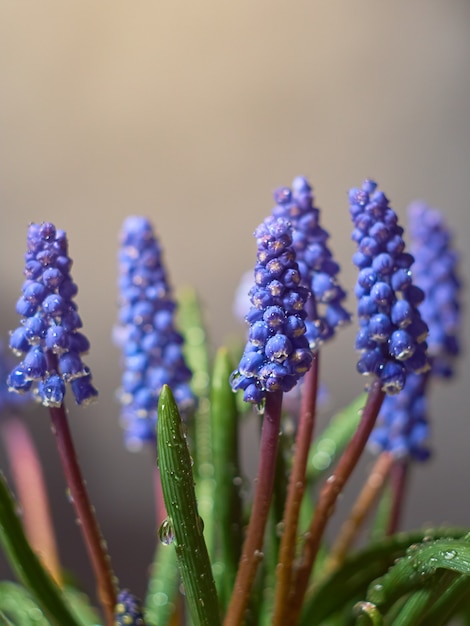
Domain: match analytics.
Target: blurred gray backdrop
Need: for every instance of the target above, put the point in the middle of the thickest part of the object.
(192, 113)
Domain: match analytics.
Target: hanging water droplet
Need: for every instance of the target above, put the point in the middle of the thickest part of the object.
(166, 533)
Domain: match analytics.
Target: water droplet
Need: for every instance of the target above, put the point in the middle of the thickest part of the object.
(68, 495)
(259, 555)
(237, 481)
(166, 532)
(450, 554)
(377, 594)
(201, 601)
(200, 524)
(160, 599)
(280, 529)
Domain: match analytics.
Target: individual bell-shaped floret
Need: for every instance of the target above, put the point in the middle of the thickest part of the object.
(48, 339)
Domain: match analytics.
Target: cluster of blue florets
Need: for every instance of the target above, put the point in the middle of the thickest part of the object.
(48, 338)
(392, 334)
(318, 270)
(403, 423)
(151, 346)
(128, 610)
(277, 353)
(435, 271)
(402, 426)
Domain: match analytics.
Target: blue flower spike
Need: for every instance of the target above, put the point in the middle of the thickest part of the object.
(392, 334)
(128, 610)
(403, 423)
(318, 269)
(277, 353)
(152, 348)
(49, 339)
(435, 272)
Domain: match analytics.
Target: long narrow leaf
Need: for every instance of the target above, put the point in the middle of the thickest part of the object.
(26, 564)
(184, 522)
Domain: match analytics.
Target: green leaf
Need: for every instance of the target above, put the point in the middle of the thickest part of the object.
(351, 581)
(163, 587)
(418, 567)
(26, 564)
(80, 605)
(16, 604)
(229, 528)
(4, 621)
(184, 523)
(450, 602)
(191, 324)
(368, 614)
(327, 447)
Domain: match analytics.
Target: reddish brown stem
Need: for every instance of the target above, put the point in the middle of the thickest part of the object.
(367, 498)
(252, 548)
(94, 541)
(399, 482)
(31, 490)
(328, 496)
(295, 492)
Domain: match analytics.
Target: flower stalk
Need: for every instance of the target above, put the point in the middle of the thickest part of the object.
(252, 553)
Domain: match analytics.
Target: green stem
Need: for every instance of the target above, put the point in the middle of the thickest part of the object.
(329, 494)
(94, 542)
(295, 492)
(252, 552)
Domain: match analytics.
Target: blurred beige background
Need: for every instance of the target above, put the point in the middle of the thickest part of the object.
(192, 113)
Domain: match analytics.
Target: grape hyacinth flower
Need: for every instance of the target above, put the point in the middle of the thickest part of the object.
(151, 346)
(403, 424)
(128, 611)
(318, 270)
(49, 338)
(277, 353)
(434, 271)
(392, 333)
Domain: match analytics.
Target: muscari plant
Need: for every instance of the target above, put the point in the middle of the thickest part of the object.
(223, 556)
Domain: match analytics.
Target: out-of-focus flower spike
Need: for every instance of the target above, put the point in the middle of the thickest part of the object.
(392, 333)
(318, 270)
(277, 353)
(48, 339)
(151, 345)
(435, 272)
(128, 610)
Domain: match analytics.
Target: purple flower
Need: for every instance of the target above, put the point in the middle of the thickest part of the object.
(434, 271)
(128, 610)
(277, 353)
(9, 401)
(49, 339)
(152, 349)
(392, 334)
(318, 270)
(402, 426)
